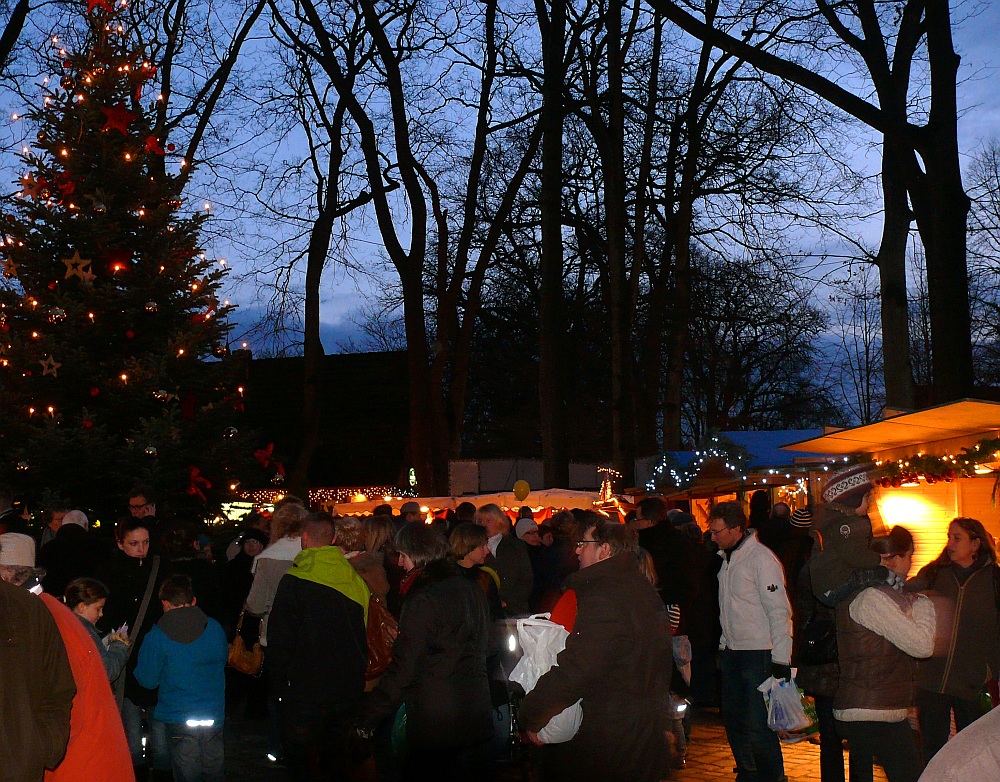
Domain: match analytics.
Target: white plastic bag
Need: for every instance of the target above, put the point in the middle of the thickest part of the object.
(541, 641)
(784, 706)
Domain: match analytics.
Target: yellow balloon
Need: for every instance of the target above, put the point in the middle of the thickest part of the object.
(521, 490)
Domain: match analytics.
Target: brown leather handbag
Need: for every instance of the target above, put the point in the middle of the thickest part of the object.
(248, 661)
(382, 631)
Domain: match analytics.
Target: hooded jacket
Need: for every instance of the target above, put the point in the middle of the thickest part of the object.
(185, 656)
(317, 638)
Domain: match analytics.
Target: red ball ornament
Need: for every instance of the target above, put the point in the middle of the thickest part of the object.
(53, 285)
(88, 424)
(171, 147)
(897, 481)
(94, 391)
(129, 334)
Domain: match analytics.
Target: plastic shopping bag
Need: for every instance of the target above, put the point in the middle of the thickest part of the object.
(541, 642)
(784, 705)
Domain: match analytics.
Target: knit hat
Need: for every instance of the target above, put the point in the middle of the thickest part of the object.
(802, 517)
(523, 526)
(409, 507)
(849, 486)
(77, 517)
(17, 550)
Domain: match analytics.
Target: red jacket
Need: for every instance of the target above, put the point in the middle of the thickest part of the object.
(97, 750)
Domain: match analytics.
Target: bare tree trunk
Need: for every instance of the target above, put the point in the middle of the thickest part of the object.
(615, 223)
(891, 261)
(12, 31)
(552, 344)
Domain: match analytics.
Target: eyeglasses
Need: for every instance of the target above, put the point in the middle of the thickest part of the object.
(582, 543)
(140, 506)
(714, 532)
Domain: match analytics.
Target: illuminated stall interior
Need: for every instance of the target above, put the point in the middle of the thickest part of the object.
(933, 465)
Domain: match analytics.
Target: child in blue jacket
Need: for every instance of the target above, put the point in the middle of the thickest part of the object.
(184, 655)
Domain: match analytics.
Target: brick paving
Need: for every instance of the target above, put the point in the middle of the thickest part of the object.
(709, 758)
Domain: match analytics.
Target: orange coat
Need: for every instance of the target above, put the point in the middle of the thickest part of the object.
(97, 750)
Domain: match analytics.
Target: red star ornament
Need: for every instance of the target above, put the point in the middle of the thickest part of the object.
(154, 146)
(105, 4)
(118, 118)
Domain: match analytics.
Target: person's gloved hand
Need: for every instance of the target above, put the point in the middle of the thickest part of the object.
(779, 671)
(895, 580)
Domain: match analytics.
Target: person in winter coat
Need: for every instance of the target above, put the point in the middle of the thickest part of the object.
(318, 654)
(756, 640)
(351, 538)
(815, 655)
(274, 561)
(617, 659)
(509, 558)
(438, 666)
(36, 682)
(880, 630)
(86, 597)
(185, 657)
(97, 750)
(966, 573)
(73, 552)
(129, 573)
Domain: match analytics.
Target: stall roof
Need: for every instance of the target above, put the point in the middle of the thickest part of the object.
(549, 498)
(954, 419)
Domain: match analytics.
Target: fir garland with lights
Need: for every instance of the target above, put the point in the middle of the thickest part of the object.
(109, 309)
(670, 474)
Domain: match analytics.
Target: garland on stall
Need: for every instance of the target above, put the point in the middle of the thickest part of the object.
(670, 473)
(966, 464)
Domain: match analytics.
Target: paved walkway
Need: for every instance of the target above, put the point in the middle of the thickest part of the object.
(709, 758)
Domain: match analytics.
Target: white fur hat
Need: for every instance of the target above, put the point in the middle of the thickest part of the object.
(17, 550)
(77, 517)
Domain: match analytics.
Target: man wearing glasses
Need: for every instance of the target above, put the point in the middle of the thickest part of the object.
(756, 641)
(141, 503)
(617, 661)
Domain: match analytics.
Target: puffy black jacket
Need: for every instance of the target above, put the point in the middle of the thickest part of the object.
(438, 664)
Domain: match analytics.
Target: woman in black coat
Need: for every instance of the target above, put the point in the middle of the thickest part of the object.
(438, 666)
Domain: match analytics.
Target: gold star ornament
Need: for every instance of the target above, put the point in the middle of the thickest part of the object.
(50, 366)
(77, 266)
(10, 267)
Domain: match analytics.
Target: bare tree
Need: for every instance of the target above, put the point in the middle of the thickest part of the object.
(856, 360)
(884, 42)
(431, 248)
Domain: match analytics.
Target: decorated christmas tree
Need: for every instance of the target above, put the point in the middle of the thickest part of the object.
(113, 359)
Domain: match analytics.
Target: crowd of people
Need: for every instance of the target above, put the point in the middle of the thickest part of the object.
(116, 667)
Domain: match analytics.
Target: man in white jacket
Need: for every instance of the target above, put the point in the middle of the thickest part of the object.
(756, 641)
